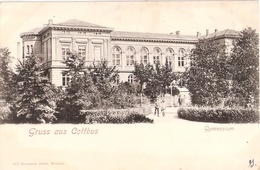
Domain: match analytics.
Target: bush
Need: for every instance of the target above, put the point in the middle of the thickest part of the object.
(220, 115)
(118, 116)
(5, 113)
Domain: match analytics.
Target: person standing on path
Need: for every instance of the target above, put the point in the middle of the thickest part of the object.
(157, 107)
(163, 107)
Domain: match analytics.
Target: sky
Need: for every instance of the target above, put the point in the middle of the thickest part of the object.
(189, 17)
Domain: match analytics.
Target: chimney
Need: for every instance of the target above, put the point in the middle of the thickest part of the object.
(50, 22)
(198, 34)
(207, 32)
(18, 51)
(216, 30)
(178, 32)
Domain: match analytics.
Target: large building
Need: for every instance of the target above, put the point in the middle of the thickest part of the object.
(120, 49)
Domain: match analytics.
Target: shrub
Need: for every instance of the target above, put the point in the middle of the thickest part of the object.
(220, 115)
(117, 116)
(5, 113)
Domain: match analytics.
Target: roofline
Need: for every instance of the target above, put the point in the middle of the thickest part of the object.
(163, 40)
(28, 34)
(60, 27)
(220, 37)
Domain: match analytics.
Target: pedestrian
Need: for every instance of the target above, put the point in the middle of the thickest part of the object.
(163, 107)
(157, 107)
(180, 100)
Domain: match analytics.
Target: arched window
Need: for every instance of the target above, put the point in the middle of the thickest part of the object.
(169, 55)
(144, 56)
(157, 53)
(181, 57)
(130, 56)
(130, 79)
(116, 56)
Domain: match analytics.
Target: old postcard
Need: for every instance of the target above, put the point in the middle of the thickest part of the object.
(129, 85)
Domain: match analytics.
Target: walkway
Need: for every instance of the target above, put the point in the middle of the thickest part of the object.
(171, 116)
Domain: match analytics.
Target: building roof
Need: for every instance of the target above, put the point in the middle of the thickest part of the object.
(78, 23)
(34, 31)
(227, 33)
(72, 24)
(140, 36)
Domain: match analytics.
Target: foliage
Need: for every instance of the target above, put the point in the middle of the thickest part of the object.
(115, 116)
(207, 78)
(80, 92)
(244, 62)
(5, 113)
(6, 74)
(91, 88)
(124, 96)
(220, 115)
(33, 103)
(104, 77)
(156, 78)
(160, 78)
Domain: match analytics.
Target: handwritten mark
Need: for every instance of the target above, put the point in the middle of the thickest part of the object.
(251, 163)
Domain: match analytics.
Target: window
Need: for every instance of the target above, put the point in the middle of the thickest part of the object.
(64, 51)
(157, 55)
(169, 55)
(130, 79)
(116, 56)
(65, 79)
(181, 57)
(23, 51)
(97, 53)
(28, 49)
(130, 55)
(144, 56)
(47, 51)
(117, 79)
(82, 51)
(31, 49)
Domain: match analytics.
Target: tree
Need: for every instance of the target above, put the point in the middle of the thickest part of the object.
(165, 75)
(105, 79)
(33, 103)
(78, 94)
(155, 78)
(142, 73)
(207, 78)
(6, 74)
(244, 64)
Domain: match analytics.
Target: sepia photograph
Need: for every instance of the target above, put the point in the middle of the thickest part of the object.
(171, 85)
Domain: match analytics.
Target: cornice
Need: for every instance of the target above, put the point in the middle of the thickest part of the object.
(153, 40)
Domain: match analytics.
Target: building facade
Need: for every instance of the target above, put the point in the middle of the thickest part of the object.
(120, 49)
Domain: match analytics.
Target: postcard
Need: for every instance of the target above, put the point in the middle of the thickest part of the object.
(129, 85)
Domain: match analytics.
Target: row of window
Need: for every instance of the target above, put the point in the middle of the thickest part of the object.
(144, 56)
(131, 55)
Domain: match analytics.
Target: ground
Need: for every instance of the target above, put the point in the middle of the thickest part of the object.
(169, 143)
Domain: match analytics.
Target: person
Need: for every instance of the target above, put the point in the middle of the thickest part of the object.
(163, 108)
(157, 107)
(180, 100)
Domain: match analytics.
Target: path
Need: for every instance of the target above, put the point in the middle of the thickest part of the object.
(171, 116)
